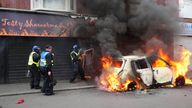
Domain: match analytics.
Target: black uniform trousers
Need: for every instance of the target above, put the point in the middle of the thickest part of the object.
(77, 69)
(47, 81)
(35, 76)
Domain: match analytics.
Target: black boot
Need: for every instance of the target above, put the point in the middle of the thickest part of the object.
(38, 87)
(72, 81)
(32, 87)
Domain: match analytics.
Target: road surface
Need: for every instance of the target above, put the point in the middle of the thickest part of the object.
(94, 98)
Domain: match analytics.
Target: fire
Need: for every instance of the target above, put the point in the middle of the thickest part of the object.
(159, 62)
(179, 67)
(109, 80)
(106, 62)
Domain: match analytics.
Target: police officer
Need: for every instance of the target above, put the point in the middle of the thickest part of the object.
(33, 65)
(76, 63)
(46, 63)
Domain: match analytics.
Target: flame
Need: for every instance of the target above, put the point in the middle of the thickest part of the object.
(117, 64)
(179, 67)
(109, 80)
(159, 62)
(106, 62)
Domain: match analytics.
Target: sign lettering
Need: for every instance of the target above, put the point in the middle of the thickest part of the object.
(33, 24)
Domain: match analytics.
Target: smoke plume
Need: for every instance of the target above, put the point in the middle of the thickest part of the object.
(147, 20)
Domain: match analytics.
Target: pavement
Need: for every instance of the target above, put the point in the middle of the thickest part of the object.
(24, 88)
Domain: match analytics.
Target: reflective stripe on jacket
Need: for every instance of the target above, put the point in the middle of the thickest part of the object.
(76, 54)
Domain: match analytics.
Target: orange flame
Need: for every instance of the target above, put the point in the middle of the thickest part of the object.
(109, 80)
(179, 67)
(159, 62)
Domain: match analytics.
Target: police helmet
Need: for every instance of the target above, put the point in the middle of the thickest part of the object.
(48, 47)
(35, 48)
(75, 46)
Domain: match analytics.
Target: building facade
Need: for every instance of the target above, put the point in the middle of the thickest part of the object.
(184, 36)
(24, 23)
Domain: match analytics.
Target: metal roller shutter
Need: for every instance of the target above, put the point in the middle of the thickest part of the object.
(20, 47)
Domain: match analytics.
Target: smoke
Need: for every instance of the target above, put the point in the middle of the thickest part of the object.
(117, 19)
(103, 8)
(108, 43)
(155, 25)
(154, 20)
(109, 27)
(110, 23)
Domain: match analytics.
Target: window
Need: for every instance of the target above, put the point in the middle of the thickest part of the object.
(141, 64)
(36, 4)
(55, 5)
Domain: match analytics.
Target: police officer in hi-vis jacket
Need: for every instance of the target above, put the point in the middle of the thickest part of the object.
(33, 65)
(46, 63)
(76, 63)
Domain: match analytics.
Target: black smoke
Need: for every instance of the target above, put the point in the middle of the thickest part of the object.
(154, 20)
(117, 19)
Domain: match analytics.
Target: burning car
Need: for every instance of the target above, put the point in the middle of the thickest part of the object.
(132, 72)
(138, 69)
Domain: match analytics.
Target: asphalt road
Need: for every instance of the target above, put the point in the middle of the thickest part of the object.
(94, 98)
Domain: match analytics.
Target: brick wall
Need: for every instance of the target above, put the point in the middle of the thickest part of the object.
(81, 7)
(17, 4)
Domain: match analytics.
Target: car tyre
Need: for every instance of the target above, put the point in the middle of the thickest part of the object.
(132, 86)
(180, 81)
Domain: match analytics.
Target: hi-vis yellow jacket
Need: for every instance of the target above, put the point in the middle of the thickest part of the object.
(30, 61)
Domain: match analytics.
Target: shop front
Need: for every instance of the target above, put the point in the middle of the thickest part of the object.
(20, 30)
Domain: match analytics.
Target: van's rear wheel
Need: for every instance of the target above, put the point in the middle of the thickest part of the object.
(132, 86)
(180, 81)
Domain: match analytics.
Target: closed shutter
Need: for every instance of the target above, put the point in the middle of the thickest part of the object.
(3, 62)
(20, 48)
